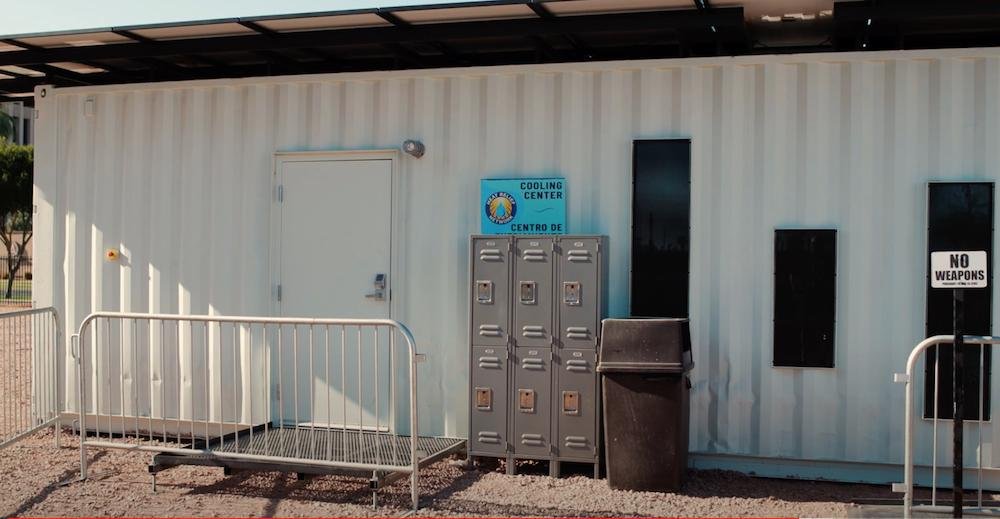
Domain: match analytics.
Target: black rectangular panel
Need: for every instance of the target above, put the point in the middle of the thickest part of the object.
(661, 227)
(805, 297)
(959, 217)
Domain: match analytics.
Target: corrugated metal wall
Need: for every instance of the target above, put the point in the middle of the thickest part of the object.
(178, 176)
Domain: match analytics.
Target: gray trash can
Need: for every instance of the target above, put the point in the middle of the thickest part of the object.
(643, 365)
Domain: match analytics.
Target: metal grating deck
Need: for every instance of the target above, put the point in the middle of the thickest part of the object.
(323, 444)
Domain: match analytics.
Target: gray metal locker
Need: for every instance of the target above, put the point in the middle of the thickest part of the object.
(579, 290)
(576, 405)
(528, 399)
(532, 402)
(532, 291)
(490, 290)
(488, 417)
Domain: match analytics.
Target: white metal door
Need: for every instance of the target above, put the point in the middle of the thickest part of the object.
(334, 261)
(336, 220)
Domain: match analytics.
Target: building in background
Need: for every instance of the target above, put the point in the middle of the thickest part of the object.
(23, 116)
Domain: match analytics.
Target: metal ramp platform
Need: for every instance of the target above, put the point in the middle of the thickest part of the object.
(316, 444)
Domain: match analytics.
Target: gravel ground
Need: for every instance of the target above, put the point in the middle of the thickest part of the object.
(38, 480)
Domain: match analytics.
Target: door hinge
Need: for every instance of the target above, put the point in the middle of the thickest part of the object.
(281, 193)
(277, 292)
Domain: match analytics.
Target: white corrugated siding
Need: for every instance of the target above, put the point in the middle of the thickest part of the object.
(178, 176)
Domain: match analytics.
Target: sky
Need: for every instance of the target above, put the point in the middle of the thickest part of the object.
(30, 16)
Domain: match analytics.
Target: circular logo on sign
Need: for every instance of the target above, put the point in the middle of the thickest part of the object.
(501, 207)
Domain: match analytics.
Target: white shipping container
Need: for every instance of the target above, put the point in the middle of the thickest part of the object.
(179, 177)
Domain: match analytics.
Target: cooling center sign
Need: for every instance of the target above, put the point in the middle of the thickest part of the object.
(523, 206)
(958, 269)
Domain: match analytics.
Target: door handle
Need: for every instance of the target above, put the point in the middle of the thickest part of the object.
(379, 293)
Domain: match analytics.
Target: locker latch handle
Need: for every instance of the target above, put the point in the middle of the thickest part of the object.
(527, 292)
(571, 293)
(484, 291)
(484, 398)
(526, 400)
(571, 402)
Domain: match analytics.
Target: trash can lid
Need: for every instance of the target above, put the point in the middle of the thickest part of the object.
(657, 345)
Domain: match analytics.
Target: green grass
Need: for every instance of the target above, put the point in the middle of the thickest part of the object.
(21, 292)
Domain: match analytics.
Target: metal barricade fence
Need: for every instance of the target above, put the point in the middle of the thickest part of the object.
(335, 393)
(980, 342)
(29, 373)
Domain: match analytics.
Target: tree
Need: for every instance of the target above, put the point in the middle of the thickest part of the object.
(7, 127)
(16, 163)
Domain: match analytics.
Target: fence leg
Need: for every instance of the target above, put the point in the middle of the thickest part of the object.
(75, 350)
(415, 490)
(56, 431)
(83, 458)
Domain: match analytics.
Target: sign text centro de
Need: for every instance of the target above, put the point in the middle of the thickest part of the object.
(523, 206)
(959, 269)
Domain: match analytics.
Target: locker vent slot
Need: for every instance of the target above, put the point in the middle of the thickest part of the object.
(576, 442)
(533, 255)
(490, 255)
(490, 362)
(488, 437)
(576, 365)
(532, 363)
(577, 332)
(578, 255)
(537, 332)
(490, 330)
(535, 440)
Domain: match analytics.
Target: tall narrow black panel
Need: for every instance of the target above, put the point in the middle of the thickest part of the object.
(805, 297)
(661, 227)
(959, 217)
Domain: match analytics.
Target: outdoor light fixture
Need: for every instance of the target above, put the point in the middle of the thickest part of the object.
(412, 147)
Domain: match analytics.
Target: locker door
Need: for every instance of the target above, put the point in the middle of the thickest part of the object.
(532, 402)
(533, 272)
(578, 291)
(490, 290)
(488, 421)
(576, 402)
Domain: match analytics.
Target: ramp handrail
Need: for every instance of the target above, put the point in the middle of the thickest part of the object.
(30, 378)
(968, 340)
(191, 384)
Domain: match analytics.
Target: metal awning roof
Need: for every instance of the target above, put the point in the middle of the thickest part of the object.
(489, 32)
